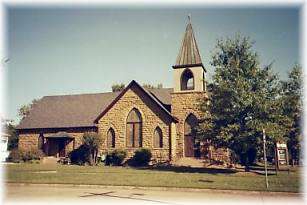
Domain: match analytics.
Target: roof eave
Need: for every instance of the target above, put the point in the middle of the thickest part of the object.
(67, 127)
(133, 82)
(189, 66)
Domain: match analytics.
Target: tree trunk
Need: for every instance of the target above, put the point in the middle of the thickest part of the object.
(247, 168)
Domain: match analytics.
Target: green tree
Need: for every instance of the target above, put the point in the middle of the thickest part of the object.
(292, 108)
(24, 110)
(150, 86)
(9, 129)
(118, 87)
(121, 86)
(244, 100)
(92, 141)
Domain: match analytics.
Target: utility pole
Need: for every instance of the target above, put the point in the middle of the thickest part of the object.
(265, 160)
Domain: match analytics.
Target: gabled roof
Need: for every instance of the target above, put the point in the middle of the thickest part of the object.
(70, 111)
(189, 54)
(148, 93)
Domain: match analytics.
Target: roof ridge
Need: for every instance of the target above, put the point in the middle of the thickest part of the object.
(80, 94)
(110, 92)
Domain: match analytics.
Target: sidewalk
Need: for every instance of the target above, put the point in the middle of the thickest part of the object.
(148, 195)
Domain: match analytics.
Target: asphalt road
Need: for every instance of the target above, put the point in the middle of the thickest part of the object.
(60, 194)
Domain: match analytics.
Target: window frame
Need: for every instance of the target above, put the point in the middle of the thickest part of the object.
(112, 143)
(160, 133)
(40, 142)
(135, 128)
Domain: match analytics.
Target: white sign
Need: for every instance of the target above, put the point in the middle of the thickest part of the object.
(281, 145)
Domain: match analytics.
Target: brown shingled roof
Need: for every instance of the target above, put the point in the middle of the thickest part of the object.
(77, 110)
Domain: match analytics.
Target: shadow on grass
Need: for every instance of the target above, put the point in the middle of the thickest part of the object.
(263, 173)
(185, 169)
(205, 181)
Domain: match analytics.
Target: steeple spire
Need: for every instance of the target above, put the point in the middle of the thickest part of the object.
(189, 54)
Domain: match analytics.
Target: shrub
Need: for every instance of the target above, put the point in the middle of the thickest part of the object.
(33, 154)
(116, 157)
(141, 157)
(80, 156)
(15, 156)
(92, 141)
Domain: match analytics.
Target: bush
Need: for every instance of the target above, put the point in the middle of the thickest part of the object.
(116, 157)
(92, 141)
(80, 156)
(141, 157)
(34, 154)
(15, 156)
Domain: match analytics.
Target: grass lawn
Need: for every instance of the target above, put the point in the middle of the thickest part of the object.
(164, 177)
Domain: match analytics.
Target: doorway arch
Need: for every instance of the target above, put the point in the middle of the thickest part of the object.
(191, 145)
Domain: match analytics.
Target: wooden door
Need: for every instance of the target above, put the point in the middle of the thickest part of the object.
(189, 146)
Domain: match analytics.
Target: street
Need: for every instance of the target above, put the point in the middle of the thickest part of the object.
(46, 194)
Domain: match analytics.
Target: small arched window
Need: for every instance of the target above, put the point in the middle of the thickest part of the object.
(41, 142)
(187, 80)
(111, 138)
(158, 138)
(134, 129)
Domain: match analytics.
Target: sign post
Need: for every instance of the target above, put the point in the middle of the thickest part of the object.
(265, 160)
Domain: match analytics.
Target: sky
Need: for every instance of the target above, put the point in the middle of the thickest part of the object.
(58, 51)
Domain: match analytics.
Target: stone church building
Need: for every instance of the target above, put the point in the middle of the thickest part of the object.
(159, 119)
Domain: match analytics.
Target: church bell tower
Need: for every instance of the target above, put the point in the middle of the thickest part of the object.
(189, 71)
(189, 90)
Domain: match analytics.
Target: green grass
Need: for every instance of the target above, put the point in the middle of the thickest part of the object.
(166, 177)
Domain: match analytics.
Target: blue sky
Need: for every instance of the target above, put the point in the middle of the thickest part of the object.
(55, 51)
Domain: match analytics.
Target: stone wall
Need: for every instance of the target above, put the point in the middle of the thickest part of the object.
(183, 104)
(152, 116)
(28, 141)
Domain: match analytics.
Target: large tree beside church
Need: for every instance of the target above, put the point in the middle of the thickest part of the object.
(292, 108)
(244, 100)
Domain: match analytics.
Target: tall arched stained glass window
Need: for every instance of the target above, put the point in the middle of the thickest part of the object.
(134, 129)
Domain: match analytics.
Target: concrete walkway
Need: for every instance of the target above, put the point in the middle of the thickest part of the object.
(46, 194)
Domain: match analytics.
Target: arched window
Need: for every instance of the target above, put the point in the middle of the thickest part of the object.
(158, 138)
(134, 129)
(41, 142)
(111, 138)
(187, 80)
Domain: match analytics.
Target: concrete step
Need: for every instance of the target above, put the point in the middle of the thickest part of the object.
(50, 160)
(190, 162)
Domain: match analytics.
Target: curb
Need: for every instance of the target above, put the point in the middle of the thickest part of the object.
(266, 193)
